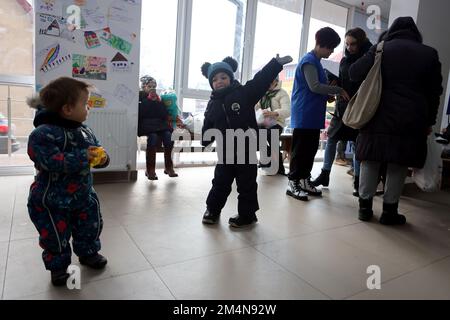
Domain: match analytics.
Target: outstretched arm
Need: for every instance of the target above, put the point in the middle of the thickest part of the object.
(257, 87)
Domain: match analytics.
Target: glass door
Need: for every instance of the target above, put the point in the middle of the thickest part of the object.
(16, 84)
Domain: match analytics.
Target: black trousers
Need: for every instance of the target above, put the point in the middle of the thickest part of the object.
(224, 175)
(305, 143)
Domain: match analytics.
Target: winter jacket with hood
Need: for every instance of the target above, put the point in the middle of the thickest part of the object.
(58, 148)
(234, 107)
(412, 86)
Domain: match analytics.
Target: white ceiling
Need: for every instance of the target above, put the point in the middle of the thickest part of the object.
(385, 5)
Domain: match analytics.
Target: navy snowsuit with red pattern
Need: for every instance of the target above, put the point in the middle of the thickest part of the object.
(62, 201)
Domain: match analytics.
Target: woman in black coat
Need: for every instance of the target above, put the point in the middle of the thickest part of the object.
(397, 134)
(356, 45)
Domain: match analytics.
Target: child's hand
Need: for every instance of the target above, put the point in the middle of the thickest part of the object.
(96, 156)
(283, 60)
(92, 153)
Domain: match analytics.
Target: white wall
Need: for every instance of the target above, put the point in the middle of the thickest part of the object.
(404, 8)
(431, 17)
(119, 87)
(432, 21)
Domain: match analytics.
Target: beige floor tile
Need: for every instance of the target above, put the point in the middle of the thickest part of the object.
(300, 246)
(26, 274)
(334, 267)
(411, 246)
(168, 241)
(429, 283)
(144, 285)
(3, 258)
(6, 210)
(241, 274)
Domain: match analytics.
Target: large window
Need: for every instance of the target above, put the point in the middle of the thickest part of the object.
(16, 81)
(217, 32)
(16, 38)
(158, 39)
(278, 30)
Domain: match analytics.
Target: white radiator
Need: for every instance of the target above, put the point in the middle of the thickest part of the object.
(111, 129)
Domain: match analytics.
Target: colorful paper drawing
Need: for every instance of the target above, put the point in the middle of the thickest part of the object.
(91, 16)
(94, 19)
(89, 67)
(115, 41)
(125, 33)
(105, 34)
(91, 40)
(96, 100)
(132, 2)
(55, 26)
(124, 94)
(119, 12)
(49, 6)
(52, 57)
(120, 64)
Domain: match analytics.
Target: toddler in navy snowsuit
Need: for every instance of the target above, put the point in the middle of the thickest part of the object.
(232, 107)
(62, 202)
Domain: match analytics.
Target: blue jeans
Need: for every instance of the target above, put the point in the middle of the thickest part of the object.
(154, 139)
(356, 163)
(330, 154)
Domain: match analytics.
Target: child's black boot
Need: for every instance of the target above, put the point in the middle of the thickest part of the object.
(95, 261)
(59, 277)
(210, 217)
(239, 221)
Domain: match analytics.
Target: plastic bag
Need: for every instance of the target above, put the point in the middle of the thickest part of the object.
(266, 122)
(259, 117)
(429, 177)
(189, 123)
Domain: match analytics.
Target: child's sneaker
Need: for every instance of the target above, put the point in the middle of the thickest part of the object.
(59, 277)
(210, 217)
(95, 261)
(242, 221)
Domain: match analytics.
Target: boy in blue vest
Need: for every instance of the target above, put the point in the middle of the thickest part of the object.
(308, 109)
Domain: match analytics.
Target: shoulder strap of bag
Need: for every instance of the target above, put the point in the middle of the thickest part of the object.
(380, 48)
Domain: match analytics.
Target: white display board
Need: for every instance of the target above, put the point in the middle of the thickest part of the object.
(96, 41)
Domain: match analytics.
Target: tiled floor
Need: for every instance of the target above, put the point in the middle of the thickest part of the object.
(158, 248)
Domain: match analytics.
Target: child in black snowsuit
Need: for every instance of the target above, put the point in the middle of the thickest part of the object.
(62, 202)
(232, 107)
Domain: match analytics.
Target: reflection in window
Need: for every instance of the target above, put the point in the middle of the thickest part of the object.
(16, 38)
(217, 32)
(326, 14)
(360, 20)
(158, 41)
(278, 30)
